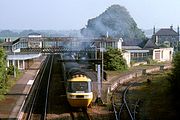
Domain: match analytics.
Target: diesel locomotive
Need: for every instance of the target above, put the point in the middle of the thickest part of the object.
(78, 83)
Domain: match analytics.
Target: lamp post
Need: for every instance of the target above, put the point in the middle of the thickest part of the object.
(99, 68)
(14, 65)
(95, 52)
(102, 65)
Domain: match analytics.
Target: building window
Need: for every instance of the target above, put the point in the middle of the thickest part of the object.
(144, 54)
(132, 55)
(116, 45)
(109, 44)
(135, 54)
(157, 55)
(140, 54)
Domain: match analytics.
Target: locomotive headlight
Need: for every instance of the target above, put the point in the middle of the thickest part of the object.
(87, 96)
(72, 96)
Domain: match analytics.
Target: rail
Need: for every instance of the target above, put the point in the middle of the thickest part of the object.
(135, 108)
(47, 91)
(36, 92)
(125, 101)
(123, 105)
(80, 113)
(43, 100)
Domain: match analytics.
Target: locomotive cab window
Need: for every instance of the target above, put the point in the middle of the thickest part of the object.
(81, 87)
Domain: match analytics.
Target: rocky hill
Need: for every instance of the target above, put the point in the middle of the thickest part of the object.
(116, 21)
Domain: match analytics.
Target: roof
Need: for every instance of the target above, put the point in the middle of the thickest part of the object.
(138, 51)
(131, 47)
(166, 32)
(150, 44)
(105, 39)
(22, 57)
(6, 44)
(132, 42)
(9, 43)
(34, 34)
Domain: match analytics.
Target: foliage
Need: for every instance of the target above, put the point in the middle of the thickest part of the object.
(164, 46)
(117, 21)
(5, 81)
(3, 76)
(10, 70)
(156, 97)
(113, 60)
(174, 77)
(151, 61)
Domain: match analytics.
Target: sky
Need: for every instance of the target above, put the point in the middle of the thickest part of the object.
(74, 14)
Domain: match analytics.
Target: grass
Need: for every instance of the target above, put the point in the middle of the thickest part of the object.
(158, 101)
(10, 82)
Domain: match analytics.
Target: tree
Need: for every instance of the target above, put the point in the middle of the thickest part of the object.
(113, 60)
(174, 77)
(10, 70)
(2, 68)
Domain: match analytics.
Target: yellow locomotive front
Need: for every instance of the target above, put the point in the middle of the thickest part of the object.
(79, 91)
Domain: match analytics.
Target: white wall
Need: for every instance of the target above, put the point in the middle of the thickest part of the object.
(120, 43)
(127, 57)
(34, 36)
(163, 54)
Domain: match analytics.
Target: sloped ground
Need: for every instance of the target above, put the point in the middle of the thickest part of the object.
(158, 102)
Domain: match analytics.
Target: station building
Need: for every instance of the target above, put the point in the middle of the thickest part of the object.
(167, 37)
(137, 51)
(133, 50)
(22, 61)
(15, 57)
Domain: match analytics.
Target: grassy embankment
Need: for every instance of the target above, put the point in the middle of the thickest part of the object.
(159, 102)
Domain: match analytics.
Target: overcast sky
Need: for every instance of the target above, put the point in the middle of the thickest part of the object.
(73, 14)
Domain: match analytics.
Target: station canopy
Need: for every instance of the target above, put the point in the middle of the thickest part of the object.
(23, 56)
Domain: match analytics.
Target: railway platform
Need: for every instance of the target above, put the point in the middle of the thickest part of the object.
(15, 98)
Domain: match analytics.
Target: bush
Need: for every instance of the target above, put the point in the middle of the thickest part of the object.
(113, 60)
(10, 70)
(174, 77)
(151, 61)
(3, 73)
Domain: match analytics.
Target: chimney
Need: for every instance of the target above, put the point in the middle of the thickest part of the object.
(154, 30)
(178, 29)
(178, 32)
(120, 43)
(9, 39)
(107, 34)
(171, 27)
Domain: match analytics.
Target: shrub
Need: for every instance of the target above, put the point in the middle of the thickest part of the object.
(113, 60)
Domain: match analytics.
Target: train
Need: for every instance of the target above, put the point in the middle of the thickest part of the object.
(78, 83)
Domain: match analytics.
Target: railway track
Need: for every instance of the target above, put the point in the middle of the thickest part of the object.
(124, 109)
(58, 106)
(36, 108)
(47, 98)
(79, 114)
